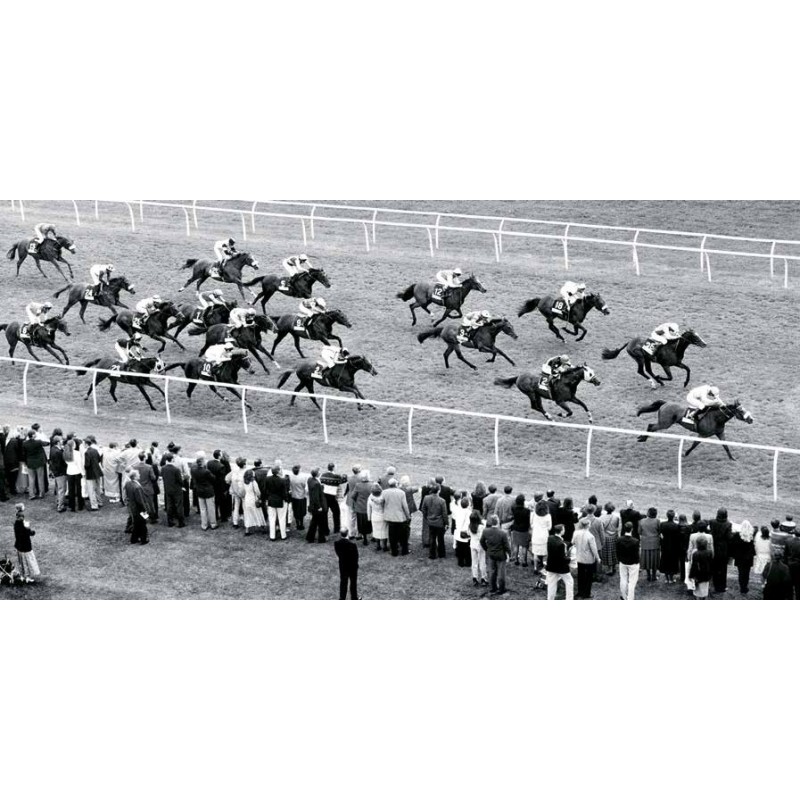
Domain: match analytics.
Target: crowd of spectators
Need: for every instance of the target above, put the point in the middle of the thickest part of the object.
(569, 548)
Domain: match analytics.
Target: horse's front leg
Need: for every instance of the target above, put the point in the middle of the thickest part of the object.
(556, 331)
(334, 336)
(39, 266)
(69, 266)
(721, 437)
(52, 348)
(155, 386)
(667, 371)
(146, 396)
(583, 406)
(261, 349)
(578, 328)
(297, 345)
(460, 355)
(30, 350)
(497, 351)
(61, 271)
(241, 289)
(173, 339)
(445, 316)
(646, 371)
(254, 352)
(566, 410)
(687, 371)
(162, 342)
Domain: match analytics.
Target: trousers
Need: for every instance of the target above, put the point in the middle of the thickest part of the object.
(479, 571)
(497, 574)
(60, 482)
(318, 527)
(277, 515)
(585, 575)
(552, 584)
(332, 505)
(208, 512)
(173, 505)
(628, 578)
(398, 538)
(436, 541)
(348, 575)
(299, 512)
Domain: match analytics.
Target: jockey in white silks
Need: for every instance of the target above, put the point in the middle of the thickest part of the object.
(449, 278)
(223, 250)
(219, 353)
(43, 231)
(294, 265)
(702, 397)
(328, 357)
(556, 365)
(212, 298)
(667, 332)
(100, 273)
(36, 316)
(471, 322)
(571, 291)
(129, 348)
(145, 308)
(312, 306)
(242, 317)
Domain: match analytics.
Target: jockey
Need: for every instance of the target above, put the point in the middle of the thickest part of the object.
(242, 317)
(554, 367)
(449, 278)
(471, 322)
(571, 291)
(328, 357)
(219, 353)
(667, 332)
(223, 250)
(212, 298)
(43, 231)
(294, 265)
(701, 398)
(145, 308)
(100, 274)
(36, 316)
(311, 307)
(129, 349)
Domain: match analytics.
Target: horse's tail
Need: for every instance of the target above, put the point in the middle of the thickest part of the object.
(197, 332)
(253, 281)
(12, 250)
(507, 382)
(608, 353)
(3, 326)
(528, 306)
(62, 289)
(168, 367)
(284, 377)
(434, 332)
(93, 363)
(105, 324)
(190, 262)
(407, 293)
(651, 408)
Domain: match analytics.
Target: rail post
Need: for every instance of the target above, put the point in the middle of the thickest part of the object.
(374, 226)
(194, 213)
(244, 409)
(94, 390)
(497, 441)
(430, 241)
(410, 440)
(775, 477)
(703, 253)
(708, 267)
(500, 234)
(253, 217)
(325, 419)
(311, 218)
(141, 211)
(589, 450)
(77, 215)
(97, 209)
(244, 228)
(636, 252)
(305, 235)
(496, 248)
(13, 205)
(22, 210)
(166, 399)
(680, 463)
(133, 218)
(188, 226)
(366, 235)
(25, 383)
(565, 242)
(438, 220)
(785, 273)
(772, 260)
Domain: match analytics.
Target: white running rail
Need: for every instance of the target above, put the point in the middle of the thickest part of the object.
(410, 408)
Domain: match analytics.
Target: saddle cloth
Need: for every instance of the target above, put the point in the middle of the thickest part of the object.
(692, 423)
(25, 330)
(216, 272)
(544, 383)
(438, 291)
(33, 247)
(199, 317)
(208, 370)
(650, 347)
(301, 323)
(560, 309)
(137, 321)
(90, 293)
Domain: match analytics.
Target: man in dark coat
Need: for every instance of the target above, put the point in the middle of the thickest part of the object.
(721, 532)
(630, 514)
(791, 553)
(221, 498)
(331, 483)
(347, 552)
(34, 456)
(777, 580)
(552, 504)
(494, 540)
(149, 483)
(260, 474)
(137, 509)
(173, 492)
(93, 472)
(316, 507)
(277, 499)
(58, 469)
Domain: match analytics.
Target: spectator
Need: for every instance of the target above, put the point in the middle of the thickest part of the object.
(74, 472)
(411, 502)
(358, 503)
(558, 564)
(552, 504)
(744, 553)
(701, 568)
(391, 472)
(671, 556)
(460, 513)
(788, 525)
(377, 521)
(396, 516)
(541, 522)
(566, 516)
(629, 555)
(587, 556)
(58, 470)
(721, 533)
(172, 478)
(777, 579)
(254, 521)
(203, 482)
(137, 510)
(596, 529)
(609, 525)
(477, 497)
(520, 530)
(791, 553)
(763, 551)
(219, 471)
(650, 543)
(494, 540)
(445, 492)
(477, 553)
(347, 553)
(701, 532)
(298, 489)
(28, 566)
(35, 459)
(630, 514)
(316, 506)
(684, 532)
(112, 458)
(504, 507)
(277, 499)
(333, 489)
(148, 479)
(434, 512)
(235, 481)
(490, 501)
(349, 488)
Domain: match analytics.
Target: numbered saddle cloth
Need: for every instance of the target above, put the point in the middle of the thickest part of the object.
(650, 347)
(440, 292)
(560, 309)
(199, 317)
(216, 272)
(138, 319)
(33, 247)
(692, 421)
(25, 330)
(545, 382)
(91, 292)
(301, 323)
(208, 370)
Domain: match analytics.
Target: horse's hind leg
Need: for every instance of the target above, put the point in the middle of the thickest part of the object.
(189, 283)
(297, 345)
(146, 397)
(554, 329)
(20, 259)
(461, 356)
(687, 371)
(39, 267)
(692, 447)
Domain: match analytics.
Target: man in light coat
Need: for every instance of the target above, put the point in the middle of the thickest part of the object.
(395, 512)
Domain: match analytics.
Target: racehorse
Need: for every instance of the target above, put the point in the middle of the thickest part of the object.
(106, 297)
(339, 376)
(213, 315)
(482, 340)
(452, 299)
(44, 336)
(577, 312)
(155, 327)
(563, 392)
(146, 366)
(318, 330)
(248, 337)
(227, 372)
(668, 355)
(711, 422)
(299, 285)
(203, 268)
(49, 250)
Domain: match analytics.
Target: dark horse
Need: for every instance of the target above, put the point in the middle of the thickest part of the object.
(299, 285)
(248, 338)
(339, 376)
(231, 273)
(563, 392)
(227, 372)
(711, 423)
(452, 299)
(577, 313)
(155, 327)
(667, 355)
(319, 330)
(189, 313)
(146, 366)
(49, 250)
(107, 295)
(482, 340)
(44, 336)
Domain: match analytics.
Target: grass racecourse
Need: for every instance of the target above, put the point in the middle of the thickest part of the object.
(746, 319)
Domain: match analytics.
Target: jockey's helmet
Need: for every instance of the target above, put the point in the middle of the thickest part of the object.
(457, 271)
(137, 337)
(581, 287)
(713, 391)
(46, 305)
(485, 314)
(155, 298)
(564, 358)
(110, 267)
(302, 257)
(344, 351)
(320, 301)
(229, 344)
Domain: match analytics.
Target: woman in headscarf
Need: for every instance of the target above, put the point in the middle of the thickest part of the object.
(28, 568)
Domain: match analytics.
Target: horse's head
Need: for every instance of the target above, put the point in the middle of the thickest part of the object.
(248, 260)
(319, 275)
(265, 323)
(361, 362)
(690, 337)
(472, 282)
(595, 300)
(57, 324)
(121, 282)
(66, 243)
(504, 326)
(168, 308)
(337, 315)
(740, 412)
(240, 358)
(589, 375)
(156, 366)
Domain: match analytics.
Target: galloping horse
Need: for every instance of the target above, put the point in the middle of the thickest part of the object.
(711, 423)
(155, 327)
(107, 296)
(482, 340)
(562, 393)
(339, 376)
(577, 312)
(248, 338)
(668, 355)
(44, 336)
(299, 285)
(452, 300)
(49, 250)
(227, 372)
(318, 330)
(203, 268)
(213, 315)
(146, 366)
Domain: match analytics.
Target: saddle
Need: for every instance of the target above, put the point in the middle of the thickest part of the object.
(137, 321)
(560, 309)
(289, 284)
(650, 347)
(301, 323)
(693, 422)
(545, 384)
(33, 247)
(441, 292)
(215, 273)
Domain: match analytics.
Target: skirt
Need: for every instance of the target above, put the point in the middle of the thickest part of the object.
(701, 589)
(28, 567)
(608, 554)
(648, 559)
(759, 564)
(521, 538)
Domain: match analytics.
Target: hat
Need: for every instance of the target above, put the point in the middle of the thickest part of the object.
(302, 257)
(457, 271)
(321, 302)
